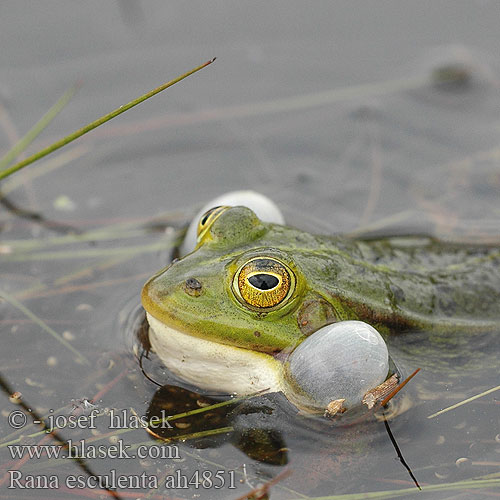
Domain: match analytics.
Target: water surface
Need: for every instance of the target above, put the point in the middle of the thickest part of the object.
(335, 113)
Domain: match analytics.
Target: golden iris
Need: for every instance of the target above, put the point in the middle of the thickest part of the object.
(207, 219)
(263, 282)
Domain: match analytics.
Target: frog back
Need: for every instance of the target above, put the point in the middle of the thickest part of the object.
(411, 282)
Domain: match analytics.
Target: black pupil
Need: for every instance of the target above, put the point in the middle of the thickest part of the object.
(263, 281)
(207, 215)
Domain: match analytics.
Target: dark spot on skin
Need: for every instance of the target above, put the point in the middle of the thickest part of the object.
(256, 333)
(192, 287)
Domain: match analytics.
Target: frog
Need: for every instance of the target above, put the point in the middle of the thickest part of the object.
(226, 316)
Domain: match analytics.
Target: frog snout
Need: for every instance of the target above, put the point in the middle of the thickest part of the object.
(153, 294)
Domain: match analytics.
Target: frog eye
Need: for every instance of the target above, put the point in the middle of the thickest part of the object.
(263, 283)
(208, 218)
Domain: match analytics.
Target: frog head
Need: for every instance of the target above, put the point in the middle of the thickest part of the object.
(235, 288)
(240, 298)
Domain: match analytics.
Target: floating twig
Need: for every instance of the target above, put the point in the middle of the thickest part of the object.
(398, 388)
(398, 451)
(261, 491)
(380, 392)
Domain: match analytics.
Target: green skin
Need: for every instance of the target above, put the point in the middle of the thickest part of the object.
(395, 284)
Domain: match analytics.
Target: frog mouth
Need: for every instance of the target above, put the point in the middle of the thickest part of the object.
(212, 365)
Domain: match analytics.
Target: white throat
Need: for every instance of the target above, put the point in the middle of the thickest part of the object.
(210, 365)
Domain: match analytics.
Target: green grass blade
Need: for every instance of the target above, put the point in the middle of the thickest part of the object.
(78, 133)
(35, 131)
(43, 168)
(187, 437)
(206, 408)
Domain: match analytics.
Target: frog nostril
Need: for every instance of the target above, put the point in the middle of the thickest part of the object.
(192, 287)
(193, 283)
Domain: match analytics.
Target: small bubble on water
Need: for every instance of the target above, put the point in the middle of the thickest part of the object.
(51, 361)
(442, 473)
(462, 462)
(67, 335)
(84, 307)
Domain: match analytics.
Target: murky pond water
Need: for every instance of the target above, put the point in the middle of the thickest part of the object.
(334, 112)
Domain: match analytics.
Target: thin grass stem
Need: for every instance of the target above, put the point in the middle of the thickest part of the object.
(35, 131)
(206, 408)
(44, 168)
(465, 401)
(91, 126)
(88, 252)
(14, 302)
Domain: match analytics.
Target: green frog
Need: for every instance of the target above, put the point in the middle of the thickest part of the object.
(225, 316)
